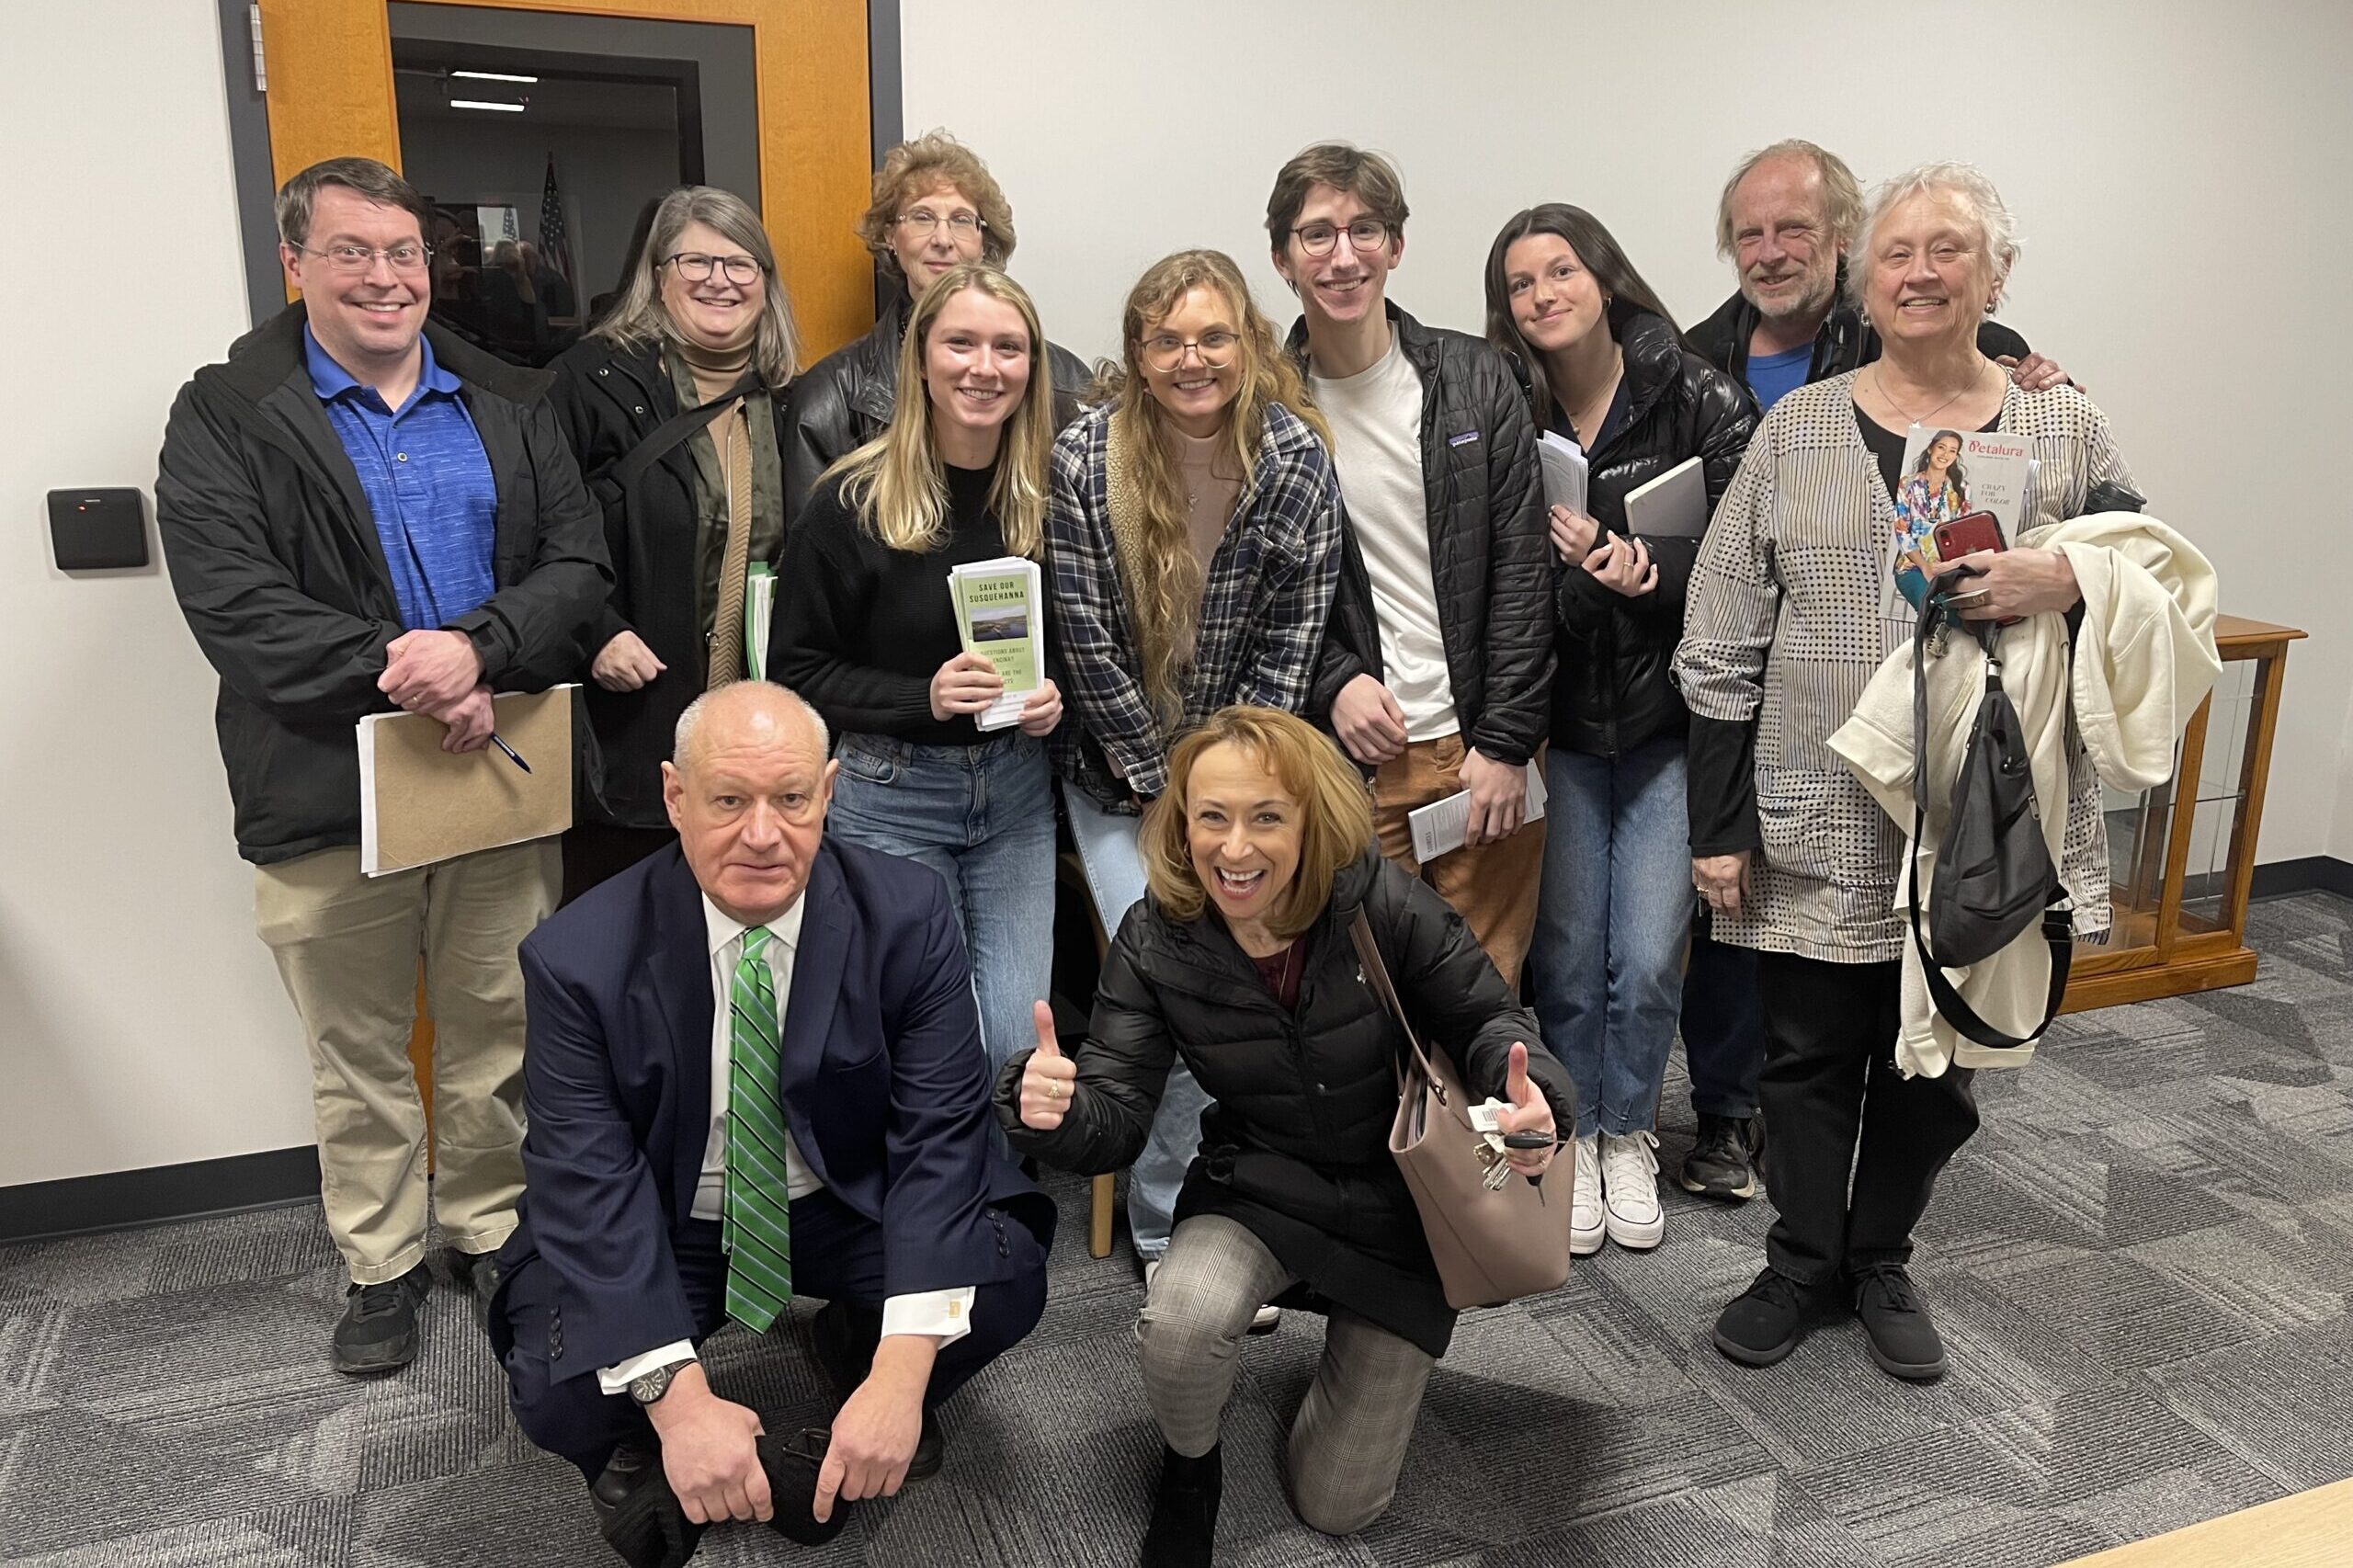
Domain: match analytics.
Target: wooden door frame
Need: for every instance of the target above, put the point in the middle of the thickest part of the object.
(831, 276)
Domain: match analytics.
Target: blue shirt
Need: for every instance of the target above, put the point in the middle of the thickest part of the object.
(427, 482)
(1773, 377)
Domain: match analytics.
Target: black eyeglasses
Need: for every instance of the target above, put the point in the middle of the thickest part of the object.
(696, 267)
(1364, 234)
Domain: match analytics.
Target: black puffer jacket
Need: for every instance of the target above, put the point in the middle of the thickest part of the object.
(1614, 688)
(278, 568)
(618, 406)
(1297, 1146)
(1844, 342)
(846, 399)
(1491, 552)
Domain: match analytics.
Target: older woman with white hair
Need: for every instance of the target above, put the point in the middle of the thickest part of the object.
(671, 404)
(1789, 616)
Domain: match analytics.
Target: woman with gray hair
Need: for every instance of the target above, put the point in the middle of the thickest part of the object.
(1791, 611)
(671, 404)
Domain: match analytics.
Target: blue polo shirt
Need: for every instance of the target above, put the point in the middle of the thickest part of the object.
(1773, 377)
(427, 482)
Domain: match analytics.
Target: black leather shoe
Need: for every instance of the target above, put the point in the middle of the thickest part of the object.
(1764, 1322)
(378, 1330)
(1904, 1341)
(476, 1273)
(637, 1513)
(1722, 1159)
(844, 1337)
(1184, 1511)
(792, 1463)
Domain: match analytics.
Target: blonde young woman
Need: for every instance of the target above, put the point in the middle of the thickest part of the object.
(1196, 524)
(671, 405)
(865, 631)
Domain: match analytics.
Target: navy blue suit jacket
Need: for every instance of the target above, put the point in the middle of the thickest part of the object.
(882, 1080)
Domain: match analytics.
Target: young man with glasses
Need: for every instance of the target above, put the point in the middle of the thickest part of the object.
(1438, 663)
(364, 515)
(936, 206)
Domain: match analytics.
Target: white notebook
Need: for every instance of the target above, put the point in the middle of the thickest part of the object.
(1672, 506)
(1438, 827)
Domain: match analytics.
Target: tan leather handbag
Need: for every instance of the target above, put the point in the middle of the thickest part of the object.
(1492, 1242)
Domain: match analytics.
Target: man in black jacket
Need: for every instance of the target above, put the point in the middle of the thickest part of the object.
(361, 514)
(935, 206)
(1438, 662)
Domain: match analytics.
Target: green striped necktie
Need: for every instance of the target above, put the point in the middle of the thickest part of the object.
(757, 1230)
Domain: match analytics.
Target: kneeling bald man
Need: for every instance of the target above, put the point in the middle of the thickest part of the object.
(754, 1071)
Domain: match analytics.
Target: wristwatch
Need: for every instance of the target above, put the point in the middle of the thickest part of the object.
(647, 1388)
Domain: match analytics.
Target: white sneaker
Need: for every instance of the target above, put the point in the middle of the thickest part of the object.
(1630, 1190)
(1265, 1319)
(1587, 1225)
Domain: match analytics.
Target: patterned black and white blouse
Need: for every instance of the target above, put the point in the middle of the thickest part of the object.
(1785, 627)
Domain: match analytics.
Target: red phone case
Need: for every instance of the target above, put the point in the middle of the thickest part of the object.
(1978, 531)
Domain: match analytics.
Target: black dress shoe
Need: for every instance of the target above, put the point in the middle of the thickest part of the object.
(637, 1513)
(1904, 1341)
(792, 1463)
(476, 1273)
(1764, 1322)
(378, 1330)
(844, 1337)
(1184, 1510)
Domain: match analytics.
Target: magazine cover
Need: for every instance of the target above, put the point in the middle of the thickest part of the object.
(1948, 474)
(997, 615)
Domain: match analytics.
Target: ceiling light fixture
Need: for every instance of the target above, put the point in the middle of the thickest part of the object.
(484, 103)
(491, 76)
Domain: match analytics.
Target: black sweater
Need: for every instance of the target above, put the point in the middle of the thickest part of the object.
(860, 628)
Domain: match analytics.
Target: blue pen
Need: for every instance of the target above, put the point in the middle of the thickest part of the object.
(512, 754)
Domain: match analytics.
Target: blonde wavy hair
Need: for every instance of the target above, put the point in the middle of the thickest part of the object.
(641, 321)
(895, 483)
(1165, 600)
(913, 170)
(1335, 815)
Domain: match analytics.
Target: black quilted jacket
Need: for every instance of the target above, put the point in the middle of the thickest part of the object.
(1490, 554)
(1613, 689)
(1297, 1146)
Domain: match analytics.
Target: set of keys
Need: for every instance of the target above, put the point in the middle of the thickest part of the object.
(1495, 1145)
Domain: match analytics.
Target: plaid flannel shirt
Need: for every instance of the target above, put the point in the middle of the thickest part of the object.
(1264, 598)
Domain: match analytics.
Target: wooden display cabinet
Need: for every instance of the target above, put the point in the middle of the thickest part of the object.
(2183, 854)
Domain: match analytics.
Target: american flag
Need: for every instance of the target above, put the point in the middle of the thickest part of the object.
(553, 247)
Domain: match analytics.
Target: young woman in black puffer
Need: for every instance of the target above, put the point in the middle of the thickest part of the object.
(1605, 367)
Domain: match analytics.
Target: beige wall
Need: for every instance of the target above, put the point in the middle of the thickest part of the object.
(140, 1021)
(2175, 173)
(2177, 169)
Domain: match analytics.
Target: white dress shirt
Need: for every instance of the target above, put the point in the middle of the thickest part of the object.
(944, 1314)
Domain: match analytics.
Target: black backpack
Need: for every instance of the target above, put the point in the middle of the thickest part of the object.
(1995, 877)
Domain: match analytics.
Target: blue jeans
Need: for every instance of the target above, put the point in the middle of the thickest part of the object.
(1107, 848)
(983, 817)
(1723, 1027)
(1609, 926)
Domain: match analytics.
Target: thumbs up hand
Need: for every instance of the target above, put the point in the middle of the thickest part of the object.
(1048, 1078)
(1529, 1112)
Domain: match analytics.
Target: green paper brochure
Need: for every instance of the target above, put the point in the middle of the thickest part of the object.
(1000, 615)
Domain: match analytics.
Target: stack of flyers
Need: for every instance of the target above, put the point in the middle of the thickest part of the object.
(1000, 615)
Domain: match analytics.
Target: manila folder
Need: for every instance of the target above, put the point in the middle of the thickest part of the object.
(419, 805)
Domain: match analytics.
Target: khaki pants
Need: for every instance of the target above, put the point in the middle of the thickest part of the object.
(347, 947)
(1493, 886)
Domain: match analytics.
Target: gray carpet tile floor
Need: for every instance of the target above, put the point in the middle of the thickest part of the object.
(2142, 1266)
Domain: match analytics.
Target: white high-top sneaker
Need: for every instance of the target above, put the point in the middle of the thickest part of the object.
(1629, 1185)
(1586, 1224)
